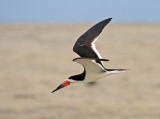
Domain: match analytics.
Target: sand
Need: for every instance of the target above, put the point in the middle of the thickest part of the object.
(36, 58)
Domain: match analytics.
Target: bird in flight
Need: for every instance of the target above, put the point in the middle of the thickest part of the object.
(90, 58)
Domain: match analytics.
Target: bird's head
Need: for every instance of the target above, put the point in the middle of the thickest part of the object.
(64, 84)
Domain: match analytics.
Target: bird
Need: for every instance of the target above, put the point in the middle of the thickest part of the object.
(90, 58)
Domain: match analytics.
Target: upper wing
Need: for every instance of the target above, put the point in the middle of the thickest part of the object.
(85, 46)
(90, 64)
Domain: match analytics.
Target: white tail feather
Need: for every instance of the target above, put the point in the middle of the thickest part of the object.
(116, 71)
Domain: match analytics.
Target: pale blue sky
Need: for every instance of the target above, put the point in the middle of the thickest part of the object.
(79, 10)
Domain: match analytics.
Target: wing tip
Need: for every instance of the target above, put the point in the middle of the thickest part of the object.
(104, 59)
(108, 19)
(90, 59)
(76, 59)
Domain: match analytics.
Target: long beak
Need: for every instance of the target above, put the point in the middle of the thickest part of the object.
(64, 84)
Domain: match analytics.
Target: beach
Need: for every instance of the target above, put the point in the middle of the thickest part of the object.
(36, 58)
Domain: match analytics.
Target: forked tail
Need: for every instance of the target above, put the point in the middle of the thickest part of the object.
(114, 71)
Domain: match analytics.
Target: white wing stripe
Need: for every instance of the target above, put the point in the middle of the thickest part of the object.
(94, 48)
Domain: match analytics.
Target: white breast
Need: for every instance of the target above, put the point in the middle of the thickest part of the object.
(94, 71)
(94, 76)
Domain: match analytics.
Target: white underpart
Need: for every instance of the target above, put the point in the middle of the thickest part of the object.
(98, 64)
(94, 48)
(94, 71)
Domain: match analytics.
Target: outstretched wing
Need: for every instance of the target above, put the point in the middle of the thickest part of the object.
(90, 64)
(85, 46)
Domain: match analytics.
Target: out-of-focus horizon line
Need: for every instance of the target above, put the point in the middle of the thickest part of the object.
(80, 22)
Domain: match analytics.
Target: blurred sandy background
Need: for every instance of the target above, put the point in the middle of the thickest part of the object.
(36, 58)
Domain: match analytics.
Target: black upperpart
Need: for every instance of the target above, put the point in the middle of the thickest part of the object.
(78, 77)
(83, 46)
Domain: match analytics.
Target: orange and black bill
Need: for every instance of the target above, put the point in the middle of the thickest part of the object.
(64, 84)
(59, 87)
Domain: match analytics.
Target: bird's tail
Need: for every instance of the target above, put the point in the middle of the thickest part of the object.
(114, 71)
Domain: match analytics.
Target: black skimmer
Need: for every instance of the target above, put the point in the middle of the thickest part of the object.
(90, 58)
